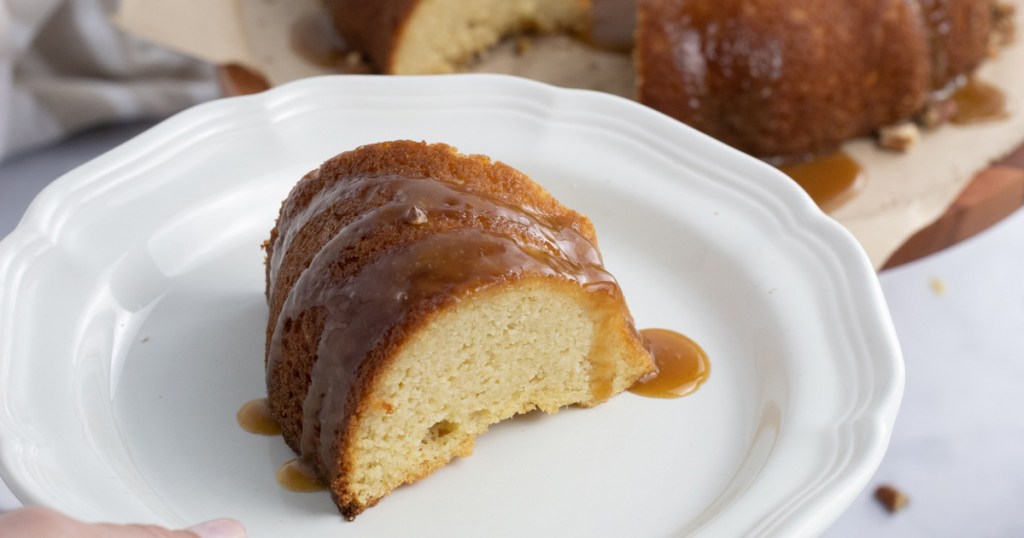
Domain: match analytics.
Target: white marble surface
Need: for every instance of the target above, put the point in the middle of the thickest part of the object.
(959, 316)
(958, 446)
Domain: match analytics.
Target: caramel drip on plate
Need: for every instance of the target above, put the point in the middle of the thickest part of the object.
(255, 417)
(296, 475)
(682, 366)
(977, 102)
(830, 180)
(365, 310)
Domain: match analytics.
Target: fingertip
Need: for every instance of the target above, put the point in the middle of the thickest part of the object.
(218, 528)
(36, 522)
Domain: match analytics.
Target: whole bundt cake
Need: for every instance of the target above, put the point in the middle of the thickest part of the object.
(793, 78)
(780, 79)
(418, 296)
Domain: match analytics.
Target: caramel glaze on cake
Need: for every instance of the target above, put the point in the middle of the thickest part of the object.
(417, 296)
(792, 78)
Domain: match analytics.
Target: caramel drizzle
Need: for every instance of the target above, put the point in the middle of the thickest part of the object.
(364, 310)
(287, 231)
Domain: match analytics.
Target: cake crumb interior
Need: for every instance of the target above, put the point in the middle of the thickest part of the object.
(498, 355)
(443, 35)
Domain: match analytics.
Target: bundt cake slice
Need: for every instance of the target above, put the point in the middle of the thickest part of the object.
(412, 37)
(418, 296)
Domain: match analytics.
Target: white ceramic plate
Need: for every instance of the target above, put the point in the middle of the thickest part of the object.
(132, 319)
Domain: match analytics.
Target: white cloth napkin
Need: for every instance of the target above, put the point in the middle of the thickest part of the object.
(65, 67)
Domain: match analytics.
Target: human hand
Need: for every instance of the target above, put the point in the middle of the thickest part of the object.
(39, 522)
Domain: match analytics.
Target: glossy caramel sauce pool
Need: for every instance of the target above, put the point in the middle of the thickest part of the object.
(255, 417)
(830, 180)
(977, 101)
(682, 366)
(295, 475)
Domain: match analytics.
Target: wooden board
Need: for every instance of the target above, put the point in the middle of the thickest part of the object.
(994, 193)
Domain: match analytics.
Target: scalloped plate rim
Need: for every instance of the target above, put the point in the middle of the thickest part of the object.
(46, 216)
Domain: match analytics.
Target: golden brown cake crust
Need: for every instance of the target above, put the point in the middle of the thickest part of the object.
(796, 78)
(395, 205)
